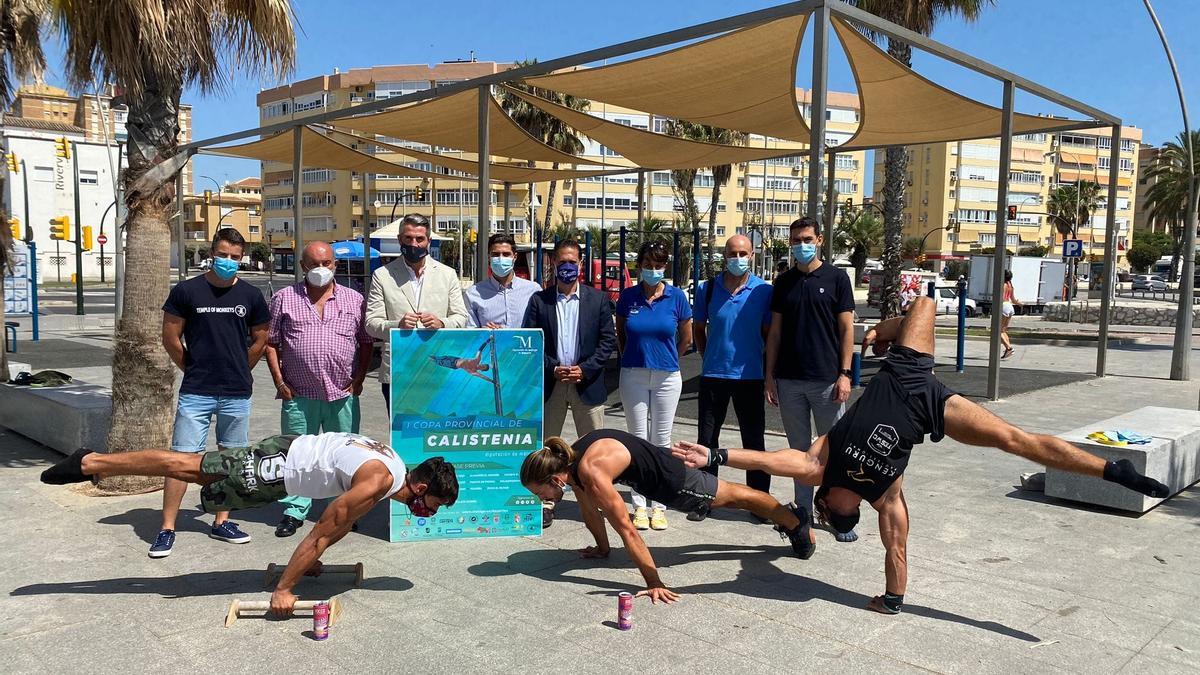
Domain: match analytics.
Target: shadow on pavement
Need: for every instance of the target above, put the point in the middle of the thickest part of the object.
(758, 577)
(196, 584)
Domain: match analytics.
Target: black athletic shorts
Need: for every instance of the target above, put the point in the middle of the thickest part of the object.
(697, 493)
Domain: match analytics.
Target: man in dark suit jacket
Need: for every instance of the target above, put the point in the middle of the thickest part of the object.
(577, 321)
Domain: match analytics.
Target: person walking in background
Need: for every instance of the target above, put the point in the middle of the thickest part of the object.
(654, 326)
(500, 301)
(810, 346)
(731, 318)
(214, 329)
(319, 352)
(577, 322)
(412, 292)
(1006, 313)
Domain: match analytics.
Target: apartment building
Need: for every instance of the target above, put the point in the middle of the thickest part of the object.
(956, 184)
(334, 206)
(237, 205)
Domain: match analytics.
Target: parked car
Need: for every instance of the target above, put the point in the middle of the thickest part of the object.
(947, 301)
(1149, 282)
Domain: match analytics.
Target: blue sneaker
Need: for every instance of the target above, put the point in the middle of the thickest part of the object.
(162, 544)
(228, 531)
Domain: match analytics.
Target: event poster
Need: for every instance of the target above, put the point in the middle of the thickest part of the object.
(473, 396)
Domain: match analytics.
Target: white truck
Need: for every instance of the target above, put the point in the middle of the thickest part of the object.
(1036, 281)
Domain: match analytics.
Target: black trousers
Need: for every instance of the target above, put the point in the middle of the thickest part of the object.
(749, 405)
(387, 399)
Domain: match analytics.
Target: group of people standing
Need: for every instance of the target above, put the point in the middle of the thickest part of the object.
(318, 337)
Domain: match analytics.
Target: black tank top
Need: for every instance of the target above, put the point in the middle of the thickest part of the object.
(652, 471)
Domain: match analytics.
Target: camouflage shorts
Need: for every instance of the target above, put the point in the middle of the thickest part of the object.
(253, 476)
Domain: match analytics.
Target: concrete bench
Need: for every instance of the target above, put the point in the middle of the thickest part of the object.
(77, 415)
(1172, 457)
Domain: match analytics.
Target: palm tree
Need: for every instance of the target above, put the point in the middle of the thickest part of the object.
(721, 175)
(683, 181)
(544, 127)
(920, 16)
(858, 233)
(1167, 198)
(1072, 207)
(151, 50)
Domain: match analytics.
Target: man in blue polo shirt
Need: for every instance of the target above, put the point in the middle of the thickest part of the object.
(809, 346)
(732, 314)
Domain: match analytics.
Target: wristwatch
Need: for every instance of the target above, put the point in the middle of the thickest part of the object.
(845, 371)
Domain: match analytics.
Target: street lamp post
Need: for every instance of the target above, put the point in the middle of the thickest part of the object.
(218, 186)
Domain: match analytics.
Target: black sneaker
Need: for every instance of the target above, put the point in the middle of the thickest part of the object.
(68, 470)
(800, 536)
(287, 526)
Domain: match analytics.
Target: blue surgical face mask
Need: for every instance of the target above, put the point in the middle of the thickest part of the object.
(738, 266)
(567, 272)
(501, 266)
(804, 253)
(653, 277)
(225, 268)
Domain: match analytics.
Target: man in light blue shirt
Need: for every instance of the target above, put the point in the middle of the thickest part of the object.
(730, 320)
(501, 300)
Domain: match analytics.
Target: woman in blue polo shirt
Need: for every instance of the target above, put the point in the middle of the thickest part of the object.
(654, 326)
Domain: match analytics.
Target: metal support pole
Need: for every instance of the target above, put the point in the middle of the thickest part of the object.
(33, 287)
(675, 256)
(624, 266)
(537, 233)
(179, 226)
(697, 254)
(641, 190)
(830, 204)
(960, 356)
(1110, 252)
(816, 148)
(589, 257)
(507, 224)
(1006, 124)
(297, 210)
(484, 223)
(603, 285)
(366, 236)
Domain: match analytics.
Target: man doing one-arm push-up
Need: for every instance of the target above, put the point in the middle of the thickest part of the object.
(864, 455)
(358, 471)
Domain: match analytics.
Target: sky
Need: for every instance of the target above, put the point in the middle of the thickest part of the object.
(1105, 53)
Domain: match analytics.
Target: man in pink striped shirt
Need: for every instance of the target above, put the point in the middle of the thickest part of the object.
(319, 352)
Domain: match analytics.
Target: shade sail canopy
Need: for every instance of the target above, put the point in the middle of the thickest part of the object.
(508, 173)
(899, 107)
(453, 122)
(648, 149)
(318, 151)
(742, 80)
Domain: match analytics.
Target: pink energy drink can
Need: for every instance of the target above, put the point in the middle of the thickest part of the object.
(321, 621)
(625, 611)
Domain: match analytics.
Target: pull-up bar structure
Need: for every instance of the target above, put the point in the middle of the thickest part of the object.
(752, 90)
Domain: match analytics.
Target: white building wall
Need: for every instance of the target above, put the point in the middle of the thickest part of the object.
(52, 193)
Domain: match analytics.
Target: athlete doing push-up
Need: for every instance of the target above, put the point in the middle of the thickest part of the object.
(358, 471)
(864, 455)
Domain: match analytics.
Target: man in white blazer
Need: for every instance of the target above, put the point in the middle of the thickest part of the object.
(412, 292)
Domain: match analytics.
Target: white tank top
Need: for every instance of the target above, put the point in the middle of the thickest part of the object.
(321, 466)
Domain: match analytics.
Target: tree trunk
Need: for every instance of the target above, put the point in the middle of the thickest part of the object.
(712, 231)
(895, 169)
(550, 202)
(143, 383)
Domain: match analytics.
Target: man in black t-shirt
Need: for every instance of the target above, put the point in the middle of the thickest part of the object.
(809, 346)
(865, 454)
(215, 330)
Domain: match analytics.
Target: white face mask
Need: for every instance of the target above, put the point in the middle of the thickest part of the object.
(319, 277)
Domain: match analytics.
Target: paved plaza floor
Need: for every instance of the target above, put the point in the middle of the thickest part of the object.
(1001, 580)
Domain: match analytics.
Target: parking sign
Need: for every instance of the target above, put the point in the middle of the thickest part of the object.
(1072, 248)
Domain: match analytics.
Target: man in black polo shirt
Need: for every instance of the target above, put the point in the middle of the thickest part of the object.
(810, 346)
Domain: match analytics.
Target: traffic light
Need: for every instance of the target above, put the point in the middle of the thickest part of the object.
(14, 223)
(207, 197)
(87, 238)
(13, 164)
(849, 203)
(62, 147)
(418, 195)
(921, 259)
(1012, 212)
(60, 228)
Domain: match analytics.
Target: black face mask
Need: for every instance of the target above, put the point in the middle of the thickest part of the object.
(413, 253)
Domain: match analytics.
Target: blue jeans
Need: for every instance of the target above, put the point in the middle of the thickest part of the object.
(309, 416)
(193, 416)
